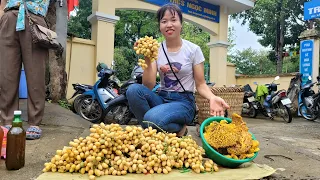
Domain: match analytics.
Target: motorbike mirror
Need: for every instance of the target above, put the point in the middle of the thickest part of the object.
(276, 78)
(309, 77)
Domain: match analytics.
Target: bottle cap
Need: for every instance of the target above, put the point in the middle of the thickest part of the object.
(17, 112)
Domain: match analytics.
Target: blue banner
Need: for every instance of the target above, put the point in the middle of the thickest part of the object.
(196, 8)
(311, 9)
(306, 57)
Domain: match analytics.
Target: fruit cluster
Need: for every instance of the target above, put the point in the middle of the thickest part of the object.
(148, 47)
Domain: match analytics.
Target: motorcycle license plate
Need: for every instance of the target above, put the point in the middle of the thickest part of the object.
(251, 99)
(286, 101)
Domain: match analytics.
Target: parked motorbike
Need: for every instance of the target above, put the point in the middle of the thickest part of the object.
(249, 106)
(276, 103)
(294, 87)
(79, 89)
(309, 107)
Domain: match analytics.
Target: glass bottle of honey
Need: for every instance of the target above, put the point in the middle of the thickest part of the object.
(16, 144)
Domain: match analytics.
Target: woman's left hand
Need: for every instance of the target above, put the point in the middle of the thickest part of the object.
(218, 106)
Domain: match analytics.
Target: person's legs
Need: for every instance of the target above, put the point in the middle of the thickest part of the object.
(170, 117)
(141, 99)
(10, 67)
(34, 58)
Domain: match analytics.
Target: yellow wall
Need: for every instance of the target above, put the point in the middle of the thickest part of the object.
(284, 80)
(231, 74)
(80, 64)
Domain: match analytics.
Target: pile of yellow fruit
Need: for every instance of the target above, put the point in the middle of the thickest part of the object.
(148, 47)
(113, 150)
(231, 139)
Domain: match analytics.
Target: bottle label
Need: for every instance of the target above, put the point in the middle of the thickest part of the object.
(4, 143)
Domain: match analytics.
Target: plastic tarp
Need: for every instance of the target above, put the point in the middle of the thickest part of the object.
(245, 171)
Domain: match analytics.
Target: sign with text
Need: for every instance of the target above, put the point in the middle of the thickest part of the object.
(306, 59)
(196, 8)
(311, 9)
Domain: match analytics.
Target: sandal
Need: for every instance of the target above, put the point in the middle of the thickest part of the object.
(33, 133)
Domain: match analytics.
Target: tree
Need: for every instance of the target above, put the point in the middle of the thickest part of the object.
(56, 77)
(134, 25)
(231, 41)
(78, 25)
(123, 65)
(251, 62)
(278, 22)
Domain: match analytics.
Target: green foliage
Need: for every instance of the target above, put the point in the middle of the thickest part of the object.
(231, 41)
(291, 64)
(64, 104)
(124, 65)
(134, 25)
(251, 62)
(79, 25)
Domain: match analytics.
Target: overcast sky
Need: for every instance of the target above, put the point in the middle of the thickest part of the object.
(244, 37)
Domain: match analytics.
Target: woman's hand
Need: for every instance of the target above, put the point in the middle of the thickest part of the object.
(218, 106)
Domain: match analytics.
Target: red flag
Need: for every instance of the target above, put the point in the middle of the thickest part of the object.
(71, 5)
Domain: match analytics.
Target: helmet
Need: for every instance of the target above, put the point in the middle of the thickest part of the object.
(101, 66)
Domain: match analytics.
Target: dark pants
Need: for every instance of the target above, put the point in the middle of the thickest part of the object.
(17, 48)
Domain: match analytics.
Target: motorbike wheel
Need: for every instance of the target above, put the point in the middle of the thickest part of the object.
(90, 110)
(119, 114)
(253, 112)
(75, 105)
(304, 112)
(288, 111)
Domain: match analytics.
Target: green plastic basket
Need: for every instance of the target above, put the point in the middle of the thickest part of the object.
(215, 155)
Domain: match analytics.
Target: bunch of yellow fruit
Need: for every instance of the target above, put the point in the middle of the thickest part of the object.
(233, 140)
(148, 47)
(113, 150)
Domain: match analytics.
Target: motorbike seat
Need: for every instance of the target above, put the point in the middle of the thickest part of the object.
(249, 94)
(89, 86)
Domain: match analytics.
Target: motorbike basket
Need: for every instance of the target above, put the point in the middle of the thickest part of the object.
(232, 95)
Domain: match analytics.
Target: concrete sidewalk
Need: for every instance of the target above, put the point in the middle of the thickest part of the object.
(294, 147)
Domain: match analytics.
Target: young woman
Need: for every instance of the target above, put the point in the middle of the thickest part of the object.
(16, 47)
(174, 106)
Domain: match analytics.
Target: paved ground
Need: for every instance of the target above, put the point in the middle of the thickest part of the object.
(294, 147)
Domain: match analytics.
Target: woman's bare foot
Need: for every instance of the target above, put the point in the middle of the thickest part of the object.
(183, 131)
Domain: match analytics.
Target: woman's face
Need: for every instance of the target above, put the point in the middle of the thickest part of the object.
(170, 26)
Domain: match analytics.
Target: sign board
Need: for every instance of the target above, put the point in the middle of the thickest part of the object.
(306, 59)
(311, 9)
(196, 8)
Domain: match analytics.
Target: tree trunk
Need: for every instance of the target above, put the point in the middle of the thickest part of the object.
(56, 80)
(281, 44)
(280, 37)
